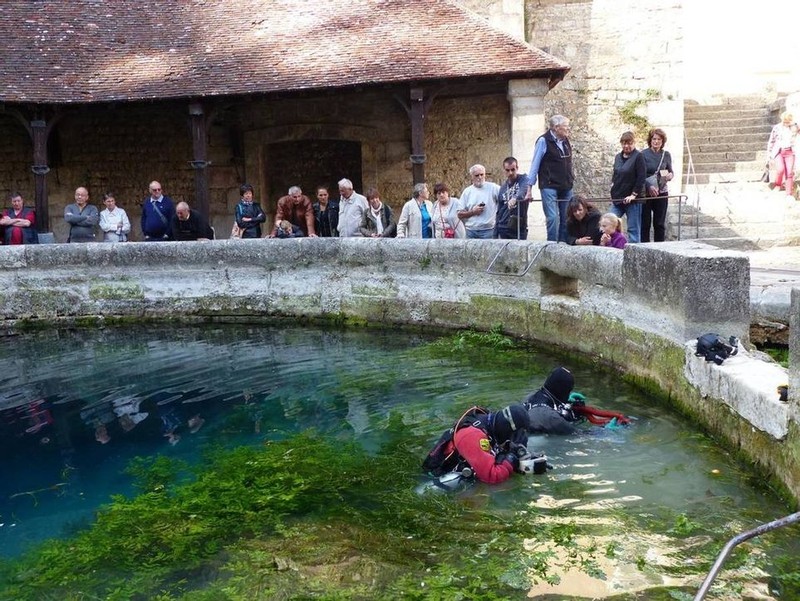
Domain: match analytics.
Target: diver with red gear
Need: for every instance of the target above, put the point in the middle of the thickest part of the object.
(490, 446)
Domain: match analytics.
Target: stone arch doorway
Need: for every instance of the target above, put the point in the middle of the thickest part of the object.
(309, 164)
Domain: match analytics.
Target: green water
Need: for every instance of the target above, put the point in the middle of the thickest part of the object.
(301, 482)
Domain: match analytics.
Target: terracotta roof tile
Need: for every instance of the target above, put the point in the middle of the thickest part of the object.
(70, 51)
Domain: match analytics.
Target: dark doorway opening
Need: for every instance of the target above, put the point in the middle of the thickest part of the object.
(309, 164)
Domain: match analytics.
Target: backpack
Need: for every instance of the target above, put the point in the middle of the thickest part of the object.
(715, 349)
(443, 457)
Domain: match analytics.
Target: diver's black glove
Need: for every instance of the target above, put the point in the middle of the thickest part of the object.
(511, 458)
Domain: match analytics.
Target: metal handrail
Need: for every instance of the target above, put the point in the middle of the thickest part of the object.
(608, 200)
(527, 267)
(691, 173)
(744, 536)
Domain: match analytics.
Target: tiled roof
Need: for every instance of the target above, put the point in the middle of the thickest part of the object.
(70, 51)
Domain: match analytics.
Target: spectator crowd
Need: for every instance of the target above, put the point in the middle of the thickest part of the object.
(483, 210)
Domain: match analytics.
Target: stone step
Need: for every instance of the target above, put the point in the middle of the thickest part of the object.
(749, 167)
(722, 141)
(745, 102)
(719, 155)
(727, 121)
(738, 146)
(731, 177)
(711, 131)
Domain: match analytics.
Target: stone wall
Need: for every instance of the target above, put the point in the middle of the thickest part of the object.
(644, 61)
(637, 311)
(626, 69)
(458, 133)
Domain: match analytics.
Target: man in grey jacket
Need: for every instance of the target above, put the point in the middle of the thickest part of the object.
(82, 217)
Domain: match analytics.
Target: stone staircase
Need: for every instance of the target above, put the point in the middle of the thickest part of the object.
(727, 204)
(727, 141)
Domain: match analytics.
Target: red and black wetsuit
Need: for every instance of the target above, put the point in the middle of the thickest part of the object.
(477, 449)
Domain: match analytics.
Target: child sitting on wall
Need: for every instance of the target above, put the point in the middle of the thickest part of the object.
(287, 229)
(611, 228)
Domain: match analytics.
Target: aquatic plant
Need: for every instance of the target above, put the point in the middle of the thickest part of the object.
(308, 506)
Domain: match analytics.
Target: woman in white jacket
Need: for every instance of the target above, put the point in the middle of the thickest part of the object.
(417, 215)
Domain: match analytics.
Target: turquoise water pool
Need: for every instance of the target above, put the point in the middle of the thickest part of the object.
(77, 406)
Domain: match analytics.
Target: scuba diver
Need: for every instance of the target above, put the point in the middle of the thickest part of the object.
(555, 408)
(489, 446)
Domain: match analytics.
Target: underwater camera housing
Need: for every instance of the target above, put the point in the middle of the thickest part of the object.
(533, 464)
(454, 480)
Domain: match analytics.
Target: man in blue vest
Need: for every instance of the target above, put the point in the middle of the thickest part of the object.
(552, 165)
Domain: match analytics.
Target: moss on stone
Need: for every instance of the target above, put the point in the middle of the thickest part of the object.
(119, 290)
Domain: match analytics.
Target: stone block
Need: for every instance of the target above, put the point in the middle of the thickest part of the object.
(700, 287)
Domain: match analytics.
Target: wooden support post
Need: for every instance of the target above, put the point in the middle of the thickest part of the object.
(417, 114)
(200, 161)
(39, 132)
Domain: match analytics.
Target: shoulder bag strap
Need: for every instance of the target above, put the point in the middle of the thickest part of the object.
(160, 214)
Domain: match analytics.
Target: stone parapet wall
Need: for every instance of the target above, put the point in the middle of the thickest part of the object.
(609, 306)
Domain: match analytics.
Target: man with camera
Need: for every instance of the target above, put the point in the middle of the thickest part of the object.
(478, 204)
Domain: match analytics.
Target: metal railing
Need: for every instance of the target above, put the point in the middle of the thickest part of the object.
(736, 540)
(690, 179)
(682, 199)
(518, 274)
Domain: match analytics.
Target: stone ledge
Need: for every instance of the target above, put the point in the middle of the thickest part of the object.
(745, 384)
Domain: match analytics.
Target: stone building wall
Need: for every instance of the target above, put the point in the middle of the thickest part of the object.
(459, 132)
(623, 62)
(16, 158)
(119, 148)
(646, 60)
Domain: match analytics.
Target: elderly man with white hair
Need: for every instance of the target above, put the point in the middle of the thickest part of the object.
(477, 206)
(352, 207)
(552, 166)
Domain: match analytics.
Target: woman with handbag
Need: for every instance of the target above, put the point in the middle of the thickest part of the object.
(446, 223)
(781, 150)
(627, 182)
(658, 171)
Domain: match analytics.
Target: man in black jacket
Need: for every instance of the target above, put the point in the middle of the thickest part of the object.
(188, 224)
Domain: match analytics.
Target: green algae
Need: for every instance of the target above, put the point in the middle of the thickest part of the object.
(292, 519)
(118, 290)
